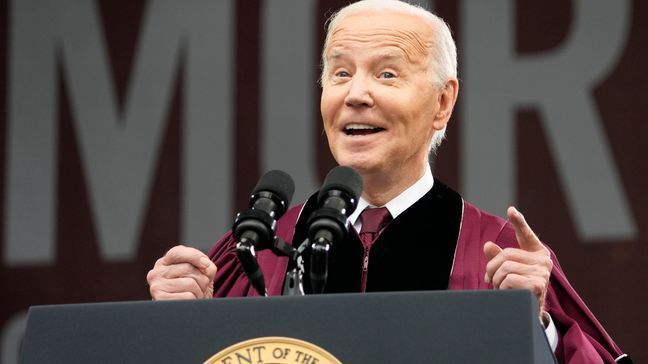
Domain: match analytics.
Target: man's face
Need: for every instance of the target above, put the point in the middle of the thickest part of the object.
(379, 106)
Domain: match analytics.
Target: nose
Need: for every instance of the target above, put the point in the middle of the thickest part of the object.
(359, 93)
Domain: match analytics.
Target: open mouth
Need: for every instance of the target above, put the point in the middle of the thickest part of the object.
(361, 129)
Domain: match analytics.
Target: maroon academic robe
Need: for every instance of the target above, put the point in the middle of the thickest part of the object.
(582, 339)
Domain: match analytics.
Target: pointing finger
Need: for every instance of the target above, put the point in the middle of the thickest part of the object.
(526, 238)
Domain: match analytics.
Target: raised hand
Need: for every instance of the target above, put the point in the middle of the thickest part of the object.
(526, 267)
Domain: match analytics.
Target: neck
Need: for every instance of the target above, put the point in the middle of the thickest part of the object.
(380, 188)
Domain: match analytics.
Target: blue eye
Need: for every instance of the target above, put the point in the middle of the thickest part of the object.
(343, 74)
(387, 75)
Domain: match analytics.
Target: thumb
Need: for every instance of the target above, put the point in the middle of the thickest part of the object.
(208, 268)
(526, 238)
(491, 250)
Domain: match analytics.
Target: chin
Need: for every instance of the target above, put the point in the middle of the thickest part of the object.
(362, 161)
(363, 166)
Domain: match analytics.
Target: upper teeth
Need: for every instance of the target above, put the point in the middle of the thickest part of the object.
(360, 126)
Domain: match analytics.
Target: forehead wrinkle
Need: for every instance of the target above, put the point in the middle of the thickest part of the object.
(413, 46)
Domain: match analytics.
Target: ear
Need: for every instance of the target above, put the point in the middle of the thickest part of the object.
(446, 99)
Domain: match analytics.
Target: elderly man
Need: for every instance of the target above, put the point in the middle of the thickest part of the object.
(389, 85)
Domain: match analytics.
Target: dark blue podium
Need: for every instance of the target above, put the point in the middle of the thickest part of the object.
(413, 327)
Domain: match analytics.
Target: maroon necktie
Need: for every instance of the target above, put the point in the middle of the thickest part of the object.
(373, 220)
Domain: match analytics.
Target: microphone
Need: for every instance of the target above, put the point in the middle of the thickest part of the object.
(337, 199)
(255, 228)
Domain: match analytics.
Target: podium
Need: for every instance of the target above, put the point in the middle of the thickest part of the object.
(411, 327)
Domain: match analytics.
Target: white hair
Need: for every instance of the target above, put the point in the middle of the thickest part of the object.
(443, 51)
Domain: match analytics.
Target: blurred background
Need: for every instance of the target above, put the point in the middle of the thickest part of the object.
(129, 126)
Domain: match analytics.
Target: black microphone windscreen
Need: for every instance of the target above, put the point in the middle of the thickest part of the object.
(342, 178)
(278, 182)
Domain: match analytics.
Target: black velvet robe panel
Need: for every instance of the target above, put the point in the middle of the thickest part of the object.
(414, 252)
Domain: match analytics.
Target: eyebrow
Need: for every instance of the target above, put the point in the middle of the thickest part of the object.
(389, 55)
(336, 54)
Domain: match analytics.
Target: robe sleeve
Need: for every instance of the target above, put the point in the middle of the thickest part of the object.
(230, 280)
(582, 339)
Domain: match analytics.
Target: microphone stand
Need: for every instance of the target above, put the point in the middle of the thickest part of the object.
(293, 284)
(319, 264)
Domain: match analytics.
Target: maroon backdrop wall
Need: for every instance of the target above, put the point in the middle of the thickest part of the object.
(610, 274)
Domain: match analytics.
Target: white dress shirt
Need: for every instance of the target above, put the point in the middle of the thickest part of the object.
(399, 203)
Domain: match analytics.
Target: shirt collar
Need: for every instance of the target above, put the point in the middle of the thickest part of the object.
(401, 202)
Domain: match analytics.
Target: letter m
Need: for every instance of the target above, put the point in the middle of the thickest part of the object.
(118, 147)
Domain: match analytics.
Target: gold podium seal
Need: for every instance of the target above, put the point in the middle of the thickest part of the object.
(273, 350)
